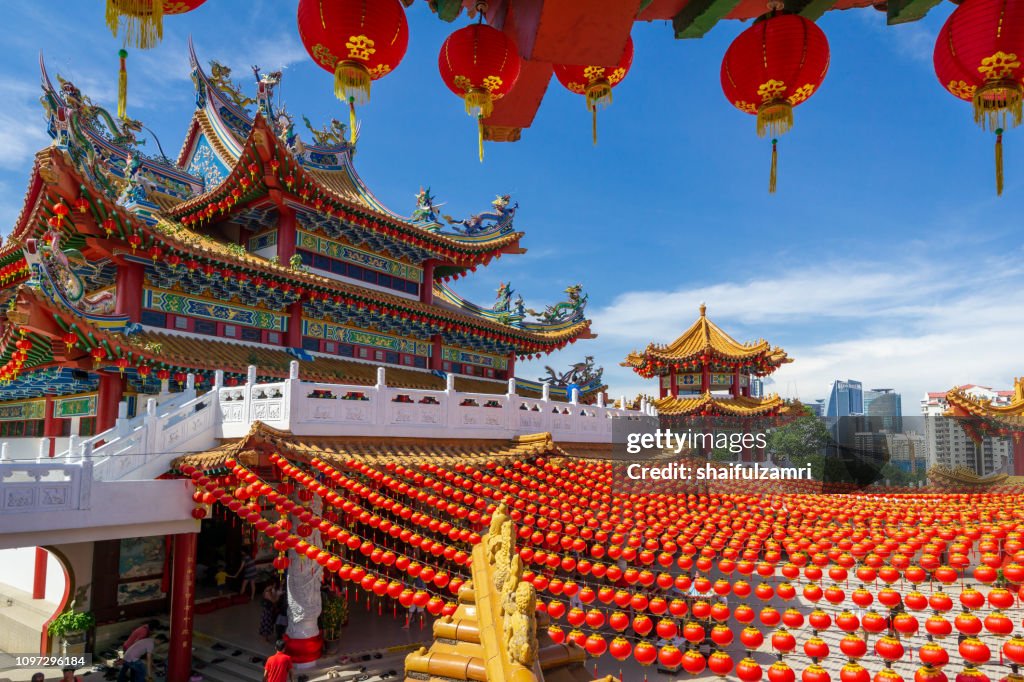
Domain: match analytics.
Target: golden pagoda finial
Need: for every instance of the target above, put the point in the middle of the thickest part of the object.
(703, 309)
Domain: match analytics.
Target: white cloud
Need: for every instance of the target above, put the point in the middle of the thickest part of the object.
(22, 129)
(914, 325)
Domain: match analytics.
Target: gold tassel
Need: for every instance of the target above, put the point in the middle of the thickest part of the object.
(593, 123)
(774, 174)
(352, 82)
(122, 86)
(142, 21)
(774, 118)
(480, 136)
(998, 104)
(999, 161)
(351, 120)
(478, 103)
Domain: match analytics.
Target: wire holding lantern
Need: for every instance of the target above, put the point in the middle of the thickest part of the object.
(772, 67)
(481, 65)
(595, 83)
(359, 41)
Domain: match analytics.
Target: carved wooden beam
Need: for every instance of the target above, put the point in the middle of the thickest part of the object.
(905, 11)
(809, 9)
(699, 16)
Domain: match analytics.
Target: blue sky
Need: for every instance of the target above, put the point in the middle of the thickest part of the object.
(884, 257)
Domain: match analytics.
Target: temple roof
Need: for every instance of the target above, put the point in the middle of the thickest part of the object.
(708, 404)
(963, 403)
(705, 339)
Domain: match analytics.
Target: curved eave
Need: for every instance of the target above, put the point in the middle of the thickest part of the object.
(994, 417)
(262, 146)
(708, 404)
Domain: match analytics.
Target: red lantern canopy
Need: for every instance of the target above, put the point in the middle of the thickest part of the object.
(978, 59)
(480, 64)
(772, 67)
(359, 41)
(596, 82)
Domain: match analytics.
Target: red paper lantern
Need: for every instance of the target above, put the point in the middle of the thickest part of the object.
(142, 21)
(978, 59)
(596, 82)
(772, 67)
(359, 41)
(480, 64)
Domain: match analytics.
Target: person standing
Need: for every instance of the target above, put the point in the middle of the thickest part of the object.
(268, 605)
(247, 570)
(138, 661)
(278, 667)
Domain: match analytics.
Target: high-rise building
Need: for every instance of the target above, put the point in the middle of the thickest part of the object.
(885, 405)
(846, 398)
(756, 387)
(818, 407)
(947, 442)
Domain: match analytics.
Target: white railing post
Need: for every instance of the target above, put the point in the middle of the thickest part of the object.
(289, 408)
(381, 379)
(622, 402)
(382, 397)
(218, 379)
(511, 387)
(250, 381)
(151, 426)
(3, 452)
(545, 392)
(44, 449)
(600, 399)
(190, 382)
(121, 423)
(574, 396)
(449, 383)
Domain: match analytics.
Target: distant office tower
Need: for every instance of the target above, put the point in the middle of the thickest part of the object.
(885, 405)
(756, 387)
(818, 407)
(947, 442)
(846, 399)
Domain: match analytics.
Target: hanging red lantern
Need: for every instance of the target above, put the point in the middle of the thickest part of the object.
(978, 59)
(480, 64)
(772, 67)
(140, 22)
(359, 41)
(596, 82)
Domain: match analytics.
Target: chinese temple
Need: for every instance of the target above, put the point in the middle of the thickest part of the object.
(707, 373)
(126, 272)
(979, 417)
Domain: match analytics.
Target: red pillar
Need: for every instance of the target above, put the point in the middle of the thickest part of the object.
(511, 371)
(183, 600)
(736, 383)
(1018, 453)
(293, 337)
(39, 575)
(130, 279)
(673, 387)
(110, 393)
(51, 425)
(705, 378)
(285, 233)
(427, 286)
(435, 352)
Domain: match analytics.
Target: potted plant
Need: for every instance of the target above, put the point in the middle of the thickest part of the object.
(71, 626)
(333, 617)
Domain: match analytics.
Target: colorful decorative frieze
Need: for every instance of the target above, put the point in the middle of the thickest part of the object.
(263, 241)
(25, 410)
(75, 406)
(350, 254)
(693, 379)
(178, 304)
(331, 332)
(481, 359)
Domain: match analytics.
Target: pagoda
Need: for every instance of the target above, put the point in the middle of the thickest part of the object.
(707, 373)
(979, 417)
(128, 273)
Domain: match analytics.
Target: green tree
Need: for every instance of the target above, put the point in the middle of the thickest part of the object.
(801, 442)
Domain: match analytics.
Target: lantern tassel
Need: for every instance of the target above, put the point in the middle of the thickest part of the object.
(480, 137)
(352, 82)
(593, 123)
(142, 21)
(774, 173)
(351, 120)
(999, 161)
(122, 85)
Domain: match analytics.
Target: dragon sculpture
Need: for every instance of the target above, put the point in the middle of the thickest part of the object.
(54, 263)
(333, 135)
(579, 374)
(509, 312)
(426, 209)
(479, 223)
(565, 311)
(220, 78)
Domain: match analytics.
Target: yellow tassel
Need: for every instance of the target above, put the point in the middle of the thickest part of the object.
(351, 121)
(478, 103)
(352, 82)
(998, 104)
(599, 93)
(775, 118)
(480, 137)
(999, 161)
(774, 174)
(141, 20)
(593, 123)
(122, 86)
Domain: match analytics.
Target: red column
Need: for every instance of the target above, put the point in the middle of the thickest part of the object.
(427, 286)
(285, 233)
(39, 576)
(511, 371)
(293, 337)
(435, 352)
(705, 377)
(110, 393)
(183, 600)
(673, 383)
(130, 278)
(51, 425)
(736, 383)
